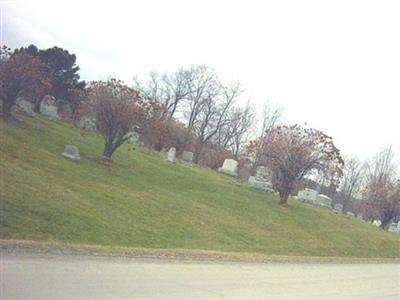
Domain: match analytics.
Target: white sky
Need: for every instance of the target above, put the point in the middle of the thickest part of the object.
(332, 64)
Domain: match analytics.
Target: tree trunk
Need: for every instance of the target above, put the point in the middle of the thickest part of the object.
(385, 223)
(283, 197)
(108, 151)
(7, 105)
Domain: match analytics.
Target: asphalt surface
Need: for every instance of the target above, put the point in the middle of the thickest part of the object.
(33, 276)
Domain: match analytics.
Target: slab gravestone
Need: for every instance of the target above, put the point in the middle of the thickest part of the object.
(308, 195)
(71, 152)
(229, 167)
(323, 200)
(394, 227)
(48, 107)
(187, 156)
(260, 185)
(171, 155)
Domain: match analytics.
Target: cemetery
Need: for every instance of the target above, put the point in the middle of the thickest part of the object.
(199, 150)
(158, 204)
(82, 158)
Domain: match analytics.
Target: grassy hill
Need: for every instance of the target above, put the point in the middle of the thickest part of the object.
(144, 201)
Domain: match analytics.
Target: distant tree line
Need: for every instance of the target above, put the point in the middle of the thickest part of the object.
(31, 73)
(209, 108)
(370, 188)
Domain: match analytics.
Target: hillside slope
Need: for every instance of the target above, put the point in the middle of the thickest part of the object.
(144, 201)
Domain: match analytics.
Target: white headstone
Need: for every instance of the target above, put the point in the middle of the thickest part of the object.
(308, 195)
(349, 213)
(71, 152)
(187, 156)
(229, 167)
(323, 200)
(377, 223)
(394, 227)
(87, 123)
(171, 155)
(260, 185)
(48, 107)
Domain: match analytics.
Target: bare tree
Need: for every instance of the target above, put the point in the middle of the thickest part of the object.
(204, 89)
(168, 89)
(383, 167)
(196, 96)
(178, 89)
(352, 181)
(239, 129)
(215, 113)
(271, 116)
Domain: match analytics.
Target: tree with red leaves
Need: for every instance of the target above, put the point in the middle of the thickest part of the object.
(382, 201)
(21, 75)
(291, 152)
(118, 110)
(381, 196)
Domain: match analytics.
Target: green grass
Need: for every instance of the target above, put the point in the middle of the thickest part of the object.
(144, 201)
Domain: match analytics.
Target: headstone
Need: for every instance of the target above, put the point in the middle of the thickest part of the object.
(323, 200)
(394, 227)
(133, 138)
(87, 123)
(171, 155)
(338, 208)
(48, 107)
(229, 167)
(308, 195)
(263, 174)
(260, 185)
(377, 223)
(187, 156)
(71, 152)
(350, 214)
(25, 106)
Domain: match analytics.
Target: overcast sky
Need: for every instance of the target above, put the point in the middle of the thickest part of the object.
(334, 65)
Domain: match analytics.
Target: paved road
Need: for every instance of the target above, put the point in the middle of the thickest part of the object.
(28, 276)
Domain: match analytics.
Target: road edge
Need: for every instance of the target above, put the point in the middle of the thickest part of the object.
(57, 248)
